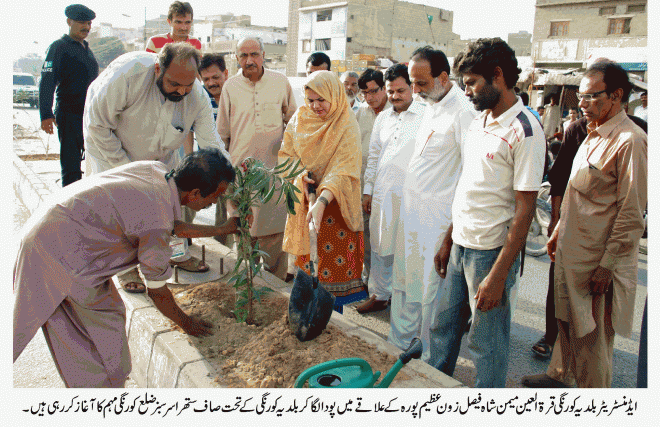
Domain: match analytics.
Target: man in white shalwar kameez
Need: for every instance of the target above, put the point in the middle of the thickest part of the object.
(88, 232)
(390, 149)
(141, 108)
(372, 88)
(428, 192)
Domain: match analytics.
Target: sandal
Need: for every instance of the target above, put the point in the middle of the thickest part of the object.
(542, 349)
(192, 265)
(131, 277)
(542, 381)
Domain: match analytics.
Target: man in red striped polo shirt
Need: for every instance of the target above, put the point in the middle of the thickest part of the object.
(179, 17)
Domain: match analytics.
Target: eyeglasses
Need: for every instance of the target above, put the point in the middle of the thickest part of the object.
(370, 92)
(587, 97)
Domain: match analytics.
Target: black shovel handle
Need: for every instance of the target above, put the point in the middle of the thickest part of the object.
(313, 253)
(311, 190)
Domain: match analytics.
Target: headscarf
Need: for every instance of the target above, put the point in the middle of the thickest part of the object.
(330, 148)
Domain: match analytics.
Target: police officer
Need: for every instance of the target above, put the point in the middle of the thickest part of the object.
(70, 66)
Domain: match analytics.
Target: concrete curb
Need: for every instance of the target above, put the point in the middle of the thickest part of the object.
(166, 358)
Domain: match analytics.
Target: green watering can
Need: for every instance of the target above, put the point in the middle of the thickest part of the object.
(354, 372)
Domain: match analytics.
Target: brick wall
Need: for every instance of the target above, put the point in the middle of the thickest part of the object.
(584, 18)
(396, 28)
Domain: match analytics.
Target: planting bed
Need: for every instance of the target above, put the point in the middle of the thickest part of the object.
(267, 354)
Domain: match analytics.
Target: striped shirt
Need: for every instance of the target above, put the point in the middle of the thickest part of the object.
(156, 43)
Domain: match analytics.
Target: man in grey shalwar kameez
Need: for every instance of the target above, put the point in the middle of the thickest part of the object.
(141, 107)
(93, 229)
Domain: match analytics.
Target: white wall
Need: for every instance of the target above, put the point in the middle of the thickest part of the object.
(203, 32)
(310, 29)
(269, 37)
(297, 87)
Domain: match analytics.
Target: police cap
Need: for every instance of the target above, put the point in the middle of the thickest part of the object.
(79, 12)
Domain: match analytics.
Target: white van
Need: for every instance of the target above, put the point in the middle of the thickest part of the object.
(26, 90)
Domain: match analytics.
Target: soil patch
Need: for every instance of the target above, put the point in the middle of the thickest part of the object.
(268, 354)
(30, 157)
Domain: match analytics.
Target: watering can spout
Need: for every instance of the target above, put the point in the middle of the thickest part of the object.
(414, 351)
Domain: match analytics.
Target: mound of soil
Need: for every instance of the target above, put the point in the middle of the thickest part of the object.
(267, 354)
(33, 157)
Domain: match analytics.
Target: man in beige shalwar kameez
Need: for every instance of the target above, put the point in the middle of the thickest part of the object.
(595, 243)
(254, 108)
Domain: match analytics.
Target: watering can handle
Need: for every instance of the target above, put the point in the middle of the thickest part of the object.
(321, 367)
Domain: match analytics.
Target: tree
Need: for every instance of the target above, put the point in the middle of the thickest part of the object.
(106, 50)
(256, 184)
(30, 63)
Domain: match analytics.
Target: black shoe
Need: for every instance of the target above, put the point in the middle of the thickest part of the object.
(543, 349)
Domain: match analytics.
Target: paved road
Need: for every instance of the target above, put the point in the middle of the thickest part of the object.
(527, 327)
(35, 367)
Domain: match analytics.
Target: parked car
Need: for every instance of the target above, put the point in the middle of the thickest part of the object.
(26, 90)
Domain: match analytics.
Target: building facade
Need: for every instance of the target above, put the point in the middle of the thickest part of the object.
(222, 37)
(375, 29)
(572, 33)
(521, 43)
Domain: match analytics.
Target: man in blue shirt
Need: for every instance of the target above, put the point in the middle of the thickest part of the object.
(525, 99)
(214, 74)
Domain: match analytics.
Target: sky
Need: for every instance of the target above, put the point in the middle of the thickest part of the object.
(42, 22)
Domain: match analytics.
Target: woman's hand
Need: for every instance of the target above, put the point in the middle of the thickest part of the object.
(316, 214)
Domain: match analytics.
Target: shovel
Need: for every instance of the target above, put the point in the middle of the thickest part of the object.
(310, 305)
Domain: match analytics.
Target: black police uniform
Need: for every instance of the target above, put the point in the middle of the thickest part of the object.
(70, 67)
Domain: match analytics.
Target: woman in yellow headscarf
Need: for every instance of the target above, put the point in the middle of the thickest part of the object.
(325, 136)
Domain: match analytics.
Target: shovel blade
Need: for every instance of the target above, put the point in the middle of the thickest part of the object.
(310, 307)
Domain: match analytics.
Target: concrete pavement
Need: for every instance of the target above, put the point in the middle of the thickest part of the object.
(527, 326)
(161, 356)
